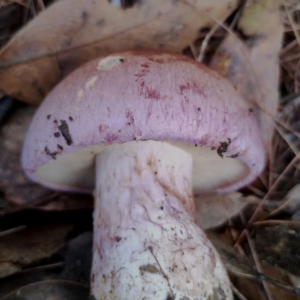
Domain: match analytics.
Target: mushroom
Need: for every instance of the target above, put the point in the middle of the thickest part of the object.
(146, 131)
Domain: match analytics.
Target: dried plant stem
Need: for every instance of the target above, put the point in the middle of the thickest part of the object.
(288, 168)
(255, 257)
(292, 23)
(275, 222)
(12, 230)
(257, 210)
(44, 267)
(238, 293)
(35, 203)
(41, 4)
(283, 135)
(208, 36)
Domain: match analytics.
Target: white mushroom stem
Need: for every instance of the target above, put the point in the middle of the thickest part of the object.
(147, 242)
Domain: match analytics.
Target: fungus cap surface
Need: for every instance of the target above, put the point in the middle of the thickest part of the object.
(136, 96)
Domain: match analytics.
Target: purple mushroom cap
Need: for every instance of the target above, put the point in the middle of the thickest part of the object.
(139, 96)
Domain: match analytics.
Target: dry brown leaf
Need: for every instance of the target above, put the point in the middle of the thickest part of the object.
(243, 273)
(253, 66)
(257, 17)
(292, 204)
(13, 183)
(22, 248)
(74, 265)
(233, 261)
(279, 245)
(70, 33)
(253, 290)
(10, 2)
(51, 290)
(214, 210)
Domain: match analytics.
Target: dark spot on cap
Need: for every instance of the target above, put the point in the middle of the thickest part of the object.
(55, 121)
(223, 147)
(198, 108)
(130, 117)
(110, 137)
(84, 15)
(48, 117)
(234, 155)
(250, 110)
(52, 154)
(152, 94)
(57, 134)
(70, 118)
(118, 238)
(60, 147)
(161, 207)
(64, 129)
(196, 145)
(121, 60)
(191, 87)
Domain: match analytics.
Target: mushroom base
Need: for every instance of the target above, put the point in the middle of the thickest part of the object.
(147, 243)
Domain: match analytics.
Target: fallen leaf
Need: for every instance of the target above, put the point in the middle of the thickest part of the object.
(78, 258)
(244, 276)
(252, 288)
(16, 187)
(293, 200)
(8, 268)
(74, 265)
(23, 248)
(50, 290)
(259, 16)
(233, 261)
(70, 33)
(214, 210)
(279, 245)
(252, 66)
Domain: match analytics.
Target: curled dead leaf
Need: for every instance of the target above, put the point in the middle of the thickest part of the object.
(214, 210)
(70, 33)
(252, 66)
(22, 248)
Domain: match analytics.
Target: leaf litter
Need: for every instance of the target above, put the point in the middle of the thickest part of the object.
(56, 42)
(258, 45)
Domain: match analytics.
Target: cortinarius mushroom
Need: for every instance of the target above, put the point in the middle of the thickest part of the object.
(146, 131)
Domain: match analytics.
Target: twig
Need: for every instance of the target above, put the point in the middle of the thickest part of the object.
(28, 205)
(275, 222)
(237, 293)
(256, 212)
(45, 267)
(12, 230)
(278, 284)
(255, 257)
